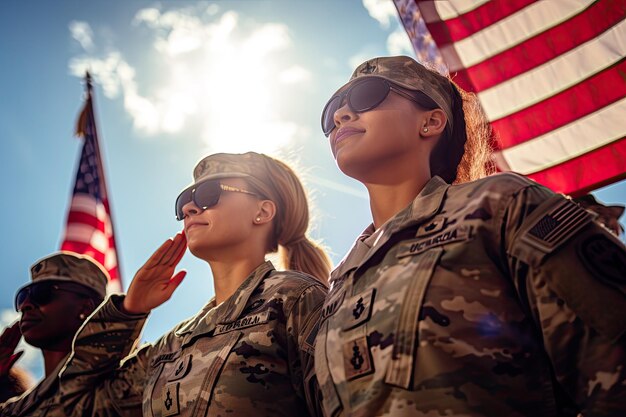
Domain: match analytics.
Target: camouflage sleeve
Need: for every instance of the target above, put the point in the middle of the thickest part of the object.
(98, 378)
(570, 273)
(302, 326)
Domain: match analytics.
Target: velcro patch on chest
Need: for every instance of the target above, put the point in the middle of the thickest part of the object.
(242, 323)
(417, 246)
(360, 309)
(169, 402)
(357, 358)
(551, 229)
(181, 368)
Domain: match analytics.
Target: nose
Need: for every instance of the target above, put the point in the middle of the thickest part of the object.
(26, 305)
(344, 114)
(190, 209)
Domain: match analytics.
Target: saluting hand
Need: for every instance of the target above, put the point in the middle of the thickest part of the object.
(155, 281)
(8, 342)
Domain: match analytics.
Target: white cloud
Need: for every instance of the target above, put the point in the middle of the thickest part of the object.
(207, 63)
(294, 74)
(148, 15)
(382, 10)
(81, 31)
(398, 42)
(32, 359)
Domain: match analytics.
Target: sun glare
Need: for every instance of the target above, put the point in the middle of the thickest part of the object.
(223, 78)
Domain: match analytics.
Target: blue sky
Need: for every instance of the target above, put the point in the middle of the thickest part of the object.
(175, 81)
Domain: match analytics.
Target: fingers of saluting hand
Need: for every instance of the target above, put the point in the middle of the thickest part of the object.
(175, 281)
(14, 358)
(6, 363)
(177, 250)
(170, 250)
(10, 337)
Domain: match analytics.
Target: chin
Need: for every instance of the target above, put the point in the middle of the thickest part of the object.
(199, 250)
(352, 167)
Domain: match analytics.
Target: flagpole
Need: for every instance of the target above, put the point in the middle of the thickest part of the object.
(99, 159)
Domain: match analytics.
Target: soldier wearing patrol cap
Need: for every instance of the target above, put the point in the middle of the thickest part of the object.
(247, 351)
(65, 288)
(466, 296)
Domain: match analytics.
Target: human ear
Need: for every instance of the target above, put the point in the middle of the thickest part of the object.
(265, 212)
(433, 124)
(87, 307)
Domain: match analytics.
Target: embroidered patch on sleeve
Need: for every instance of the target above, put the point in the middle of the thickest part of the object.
(605, 259)
(555, 227)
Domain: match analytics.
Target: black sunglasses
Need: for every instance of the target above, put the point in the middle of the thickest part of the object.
(43, 293)
(362, 96)
(204, 195)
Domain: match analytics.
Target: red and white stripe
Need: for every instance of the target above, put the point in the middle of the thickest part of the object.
(89, 228)
(551, 77)
(89, 232)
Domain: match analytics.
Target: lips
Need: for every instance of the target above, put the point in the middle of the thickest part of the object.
(28, 322)
(192, 225)
(346, 132)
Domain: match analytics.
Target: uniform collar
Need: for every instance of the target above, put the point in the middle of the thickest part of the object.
(227, 312)
(426, 205)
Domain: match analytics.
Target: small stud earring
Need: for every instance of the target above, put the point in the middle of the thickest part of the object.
(258, 219)
(425, 130)
(82, 316)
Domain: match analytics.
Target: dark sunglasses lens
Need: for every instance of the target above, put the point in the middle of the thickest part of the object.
(39, 295)
(207, 194)
(183, 198)
(328, 115)
(368, 94)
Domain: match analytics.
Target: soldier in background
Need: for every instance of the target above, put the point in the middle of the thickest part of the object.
(65, 288)
(493, 297)
(246, 351)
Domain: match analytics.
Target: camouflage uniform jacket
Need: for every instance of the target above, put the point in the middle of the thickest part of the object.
(491, 298)
(244, 357)
(43, 400)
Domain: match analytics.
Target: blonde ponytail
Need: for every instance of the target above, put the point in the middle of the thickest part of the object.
(280, 184)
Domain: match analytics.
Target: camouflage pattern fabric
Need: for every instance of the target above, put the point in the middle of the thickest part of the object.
(244, 357)
(42, 400)
(490, 298)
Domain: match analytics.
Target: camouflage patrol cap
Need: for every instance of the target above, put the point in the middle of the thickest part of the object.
(231, 165)
(408, 73)
(71, 267)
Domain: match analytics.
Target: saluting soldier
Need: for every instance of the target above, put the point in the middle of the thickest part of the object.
(493, 297)
(246, 351)
(65, 288)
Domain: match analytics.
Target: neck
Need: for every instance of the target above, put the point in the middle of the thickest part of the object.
(52, 358)
(228, 276)
(387, 200)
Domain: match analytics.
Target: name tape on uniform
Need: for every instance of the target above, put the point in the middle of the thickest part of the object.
(248, 321)
(417, 246)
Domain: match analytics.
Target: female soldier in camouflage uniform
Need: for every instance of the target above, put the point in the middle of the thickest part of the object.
(495, 297)
(246, 351)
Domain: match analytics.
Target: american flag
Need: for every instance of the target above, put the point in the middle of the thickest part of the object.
(550, 75)
(89, 227)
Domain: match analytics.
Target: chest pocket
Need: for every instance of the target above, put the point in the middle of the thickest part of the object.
(156, 368)
(400, 367)
(186, 385)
